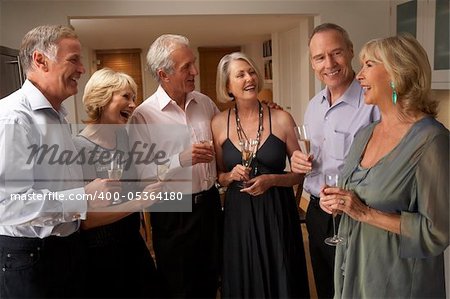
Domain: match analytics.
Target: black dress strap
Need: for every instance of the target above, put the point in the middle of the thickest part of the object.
(270, 120)
(228, 123)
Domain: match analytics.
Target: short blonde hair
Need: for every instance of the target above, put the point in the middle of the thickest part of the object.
(407, 64)
(223, 75)
(99, 91)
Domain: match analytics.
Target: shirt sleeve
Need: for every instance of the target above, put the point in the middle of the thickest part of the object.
(426, 232)
(21, 203)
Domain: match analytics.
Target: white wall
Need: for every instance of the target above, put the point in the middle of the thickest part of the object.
(363, 19)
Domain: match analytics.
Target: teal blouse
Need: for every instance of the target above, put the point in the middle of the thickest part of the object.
(412, 180)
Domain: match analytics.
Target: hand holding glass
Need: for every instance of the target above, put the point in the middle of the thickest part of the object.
(331, 180)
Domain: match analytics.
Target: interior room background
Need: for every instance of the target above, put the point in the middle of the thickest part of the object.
(250, 25)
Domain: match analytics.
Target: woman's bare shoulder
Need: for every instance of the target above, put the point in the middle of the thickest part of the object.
(282, 117)
(219, 119)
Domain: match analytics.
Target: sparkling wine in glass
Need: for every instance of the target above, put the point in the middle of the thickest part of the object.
(116, 168)
(331, 180)
(161, 170)
(248, 150)
(115, 172)
(304, 139)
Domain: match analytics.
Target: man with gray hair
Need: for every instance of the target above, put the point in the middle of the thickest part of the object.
(187, 245)
(42, 194)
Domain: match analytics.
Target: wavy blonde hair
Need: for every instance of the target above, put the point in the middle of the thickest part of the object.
(407, 64)
(99, 91)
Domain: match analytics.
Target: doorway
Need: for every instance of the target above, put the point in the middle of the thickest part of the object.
(125, 60)
(11, 74)
(209, 58)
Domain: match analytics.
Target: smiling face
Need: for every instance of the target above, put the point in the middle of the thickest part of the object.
(331, 59)
(120, 108)
(63, 73)
(243, 80)
(181, 80)
(375, 81)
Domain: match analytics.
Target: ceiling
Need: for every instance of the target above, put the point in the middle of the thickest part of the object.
(202, 30)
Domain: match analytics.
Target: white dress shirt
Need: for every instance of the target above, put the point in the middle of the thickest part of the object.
(161, 121)
(37, 189)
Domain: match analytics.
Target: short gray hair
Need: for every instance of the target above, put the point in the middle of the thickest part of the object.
(223, 75)
(44, 39)
(158, 56)
(331, 26)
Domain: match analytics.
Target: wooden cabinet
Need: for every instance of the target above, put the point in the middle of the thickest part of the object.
(428, 21)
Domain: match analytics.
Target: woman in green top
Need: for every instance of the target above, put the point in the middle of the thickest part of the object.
(395, 195)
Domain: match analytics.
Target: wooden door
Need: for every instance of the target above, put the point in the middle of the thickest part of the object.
(209, 59)
(127, 61)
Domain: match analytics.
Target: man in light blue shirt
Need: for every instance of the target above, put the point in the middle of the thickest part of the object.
(333, 117)
(42, 194)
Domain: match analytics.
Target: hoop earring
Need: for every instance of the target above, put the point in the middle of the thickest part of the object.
(394, 93)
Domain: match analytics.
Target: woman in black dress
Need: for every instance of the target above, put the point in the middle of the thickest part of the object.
(263, 248)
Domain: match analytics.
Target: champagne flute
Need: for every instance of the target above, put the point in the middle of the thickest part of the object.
(115, 172)
(332, 180)
(248, 149)
(210, 177)
(161, 170)
(203, 135)
(304, 140)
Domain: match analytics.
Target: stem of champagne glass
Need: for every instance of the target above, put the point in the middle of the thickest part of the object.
(334, 226)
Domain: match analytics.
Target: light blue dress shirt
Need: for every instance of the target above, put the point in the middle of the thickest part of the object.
(40, 191)
(332, 129)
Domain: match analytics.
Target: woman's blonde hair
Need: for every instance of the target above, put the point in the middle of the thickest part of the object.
(223, 75)
(407, 64)
(99, 91)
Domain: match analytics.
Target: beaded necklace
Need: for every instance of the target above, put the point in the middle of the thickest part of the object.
(241, 133)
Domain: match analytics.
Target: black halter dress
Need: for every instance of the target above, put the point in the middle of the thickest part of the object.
(263, 249)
